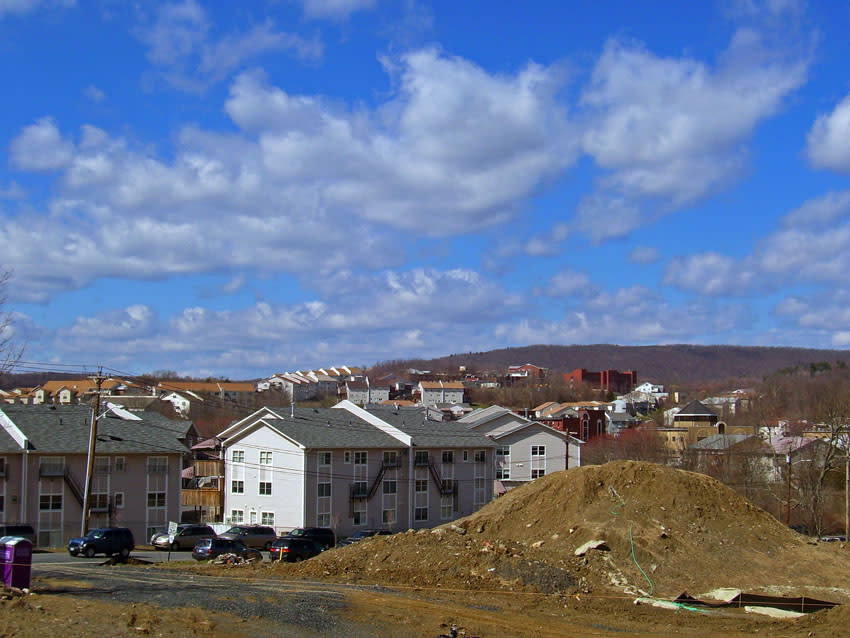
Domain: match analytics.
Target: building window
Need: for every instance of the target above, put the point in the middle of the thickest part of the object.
(389, 487)
(466, 456)
(448, 457)
(361, 458)
(237, 516)
(421, 457)
(118, 497)
(503, 462)
(359, 515)
(325, 458)
(267, 518)
(446, 506)
(346, 457)
(538, 461)
(237, 487)
(480, 456)
(50, 502)
(156, 499)
(101, 465)
(323, 489)
(420, 514)
(2, 503)
(421, 485)
(120, 463)
(157, 464)
(265, 488)
(388, 516)
(390, 458)
(265, 457)
(237, 456)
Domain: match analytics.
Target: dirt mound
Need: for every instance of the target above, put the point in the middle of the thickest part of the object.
(664, 530)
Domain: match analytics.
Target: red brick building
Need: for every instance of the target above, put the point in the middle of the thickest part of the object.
(606, 380)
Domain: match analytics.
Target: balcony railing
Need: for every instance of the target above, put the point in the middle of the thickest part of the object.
(359, 490)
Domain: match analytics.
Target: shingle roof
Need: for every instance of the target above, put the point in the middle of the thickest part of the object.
(429, 433)
(695, 408)
(65, 429)
(318, 428)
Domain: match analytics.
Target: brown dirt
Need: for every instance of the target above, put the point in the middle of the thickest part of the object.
(690, 533)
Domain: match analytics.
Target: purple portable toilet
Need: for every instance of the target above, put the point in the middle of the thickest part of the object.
(17, 562)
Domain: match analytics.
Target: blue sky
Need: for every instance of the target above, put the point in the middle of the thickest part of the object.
(241, 189)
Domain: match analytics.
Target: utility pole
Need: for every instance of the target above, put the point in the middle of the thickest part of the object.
(98, 379)
(788, 499)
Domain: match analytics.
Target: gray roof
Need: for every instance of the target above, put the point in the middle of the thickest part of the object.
(321, 428)
(695, 408)
(721, 441)
(428, 433)
(65, 429)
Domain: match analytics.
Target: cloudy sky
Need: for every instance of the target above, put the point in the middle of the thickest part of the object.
(245, 188)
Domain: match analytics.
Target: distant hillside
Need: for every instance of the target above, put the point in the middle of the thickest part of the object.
(662, 364)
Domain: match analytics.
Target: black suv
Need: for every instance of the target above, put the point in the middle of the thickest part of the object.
(293, 549)
(325, 535)
(104, 540)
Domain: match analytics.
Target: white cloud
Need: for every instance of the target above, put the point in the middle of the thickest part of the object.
(566, 283)
(602, 216)
(94, 94)
(40, 147)
(336, 9)
(821, 211)
(26, 6)
(829, 139)
(549, 243)
(812, 246)
(643, 255)
(634, 315)
(674, 130)
(180, 45)
(706, 273)
(406, 313)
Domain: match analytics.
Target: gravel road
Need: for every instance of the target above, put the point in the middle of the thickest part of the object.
(274, 608)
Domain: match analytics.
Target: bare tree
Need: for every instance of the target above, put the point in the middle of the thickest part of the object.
(11, 348)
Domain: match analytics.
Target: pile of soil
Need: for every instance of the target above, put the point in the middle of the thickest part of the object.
(665, 531)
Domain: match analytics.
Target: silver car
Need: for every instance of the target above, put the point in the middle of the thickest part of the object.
(185, 537)
(256, 536)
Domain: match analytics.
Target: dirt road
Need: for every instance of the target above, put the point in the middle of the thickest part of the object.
(83, 601)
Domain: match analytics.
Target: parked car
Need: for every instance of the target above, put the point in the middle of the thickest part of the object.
(186, 537)
(209, 548)
(103, 540)
(364, 533)
(256, 536)
(325, 535)
(293, 549)
(18, 529)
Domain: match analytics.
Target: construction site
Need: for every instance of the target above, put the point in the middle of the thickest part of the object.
(625, 548)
